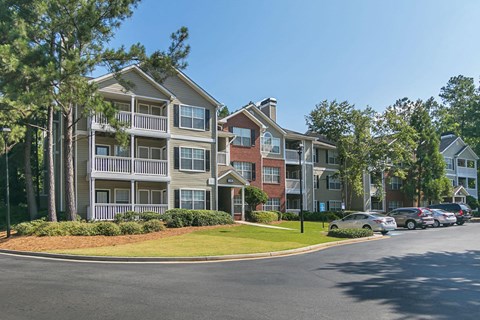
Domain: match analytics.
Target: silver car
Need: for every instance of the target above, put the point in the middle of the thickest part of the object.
(366, 220)
(442, 217)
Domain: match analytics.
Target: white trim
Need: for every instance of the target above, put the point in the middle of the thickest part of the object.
(191, 138)
(180, 117)
(138, 152)
(102, 145)
(266, 118)
(95, 195)
(115, 195)
(82, 132)
(138, 196)
(156, 148)
(248, 114)
(193, 189)
(161, 196)
(236, 175)
(467, 147)
(192, 170)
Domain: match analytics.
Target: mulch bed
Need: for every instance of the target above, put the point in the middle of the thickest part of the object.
(74, 242)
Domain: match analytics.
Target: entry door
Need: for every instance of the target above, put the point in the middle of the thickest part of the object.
(102, 196)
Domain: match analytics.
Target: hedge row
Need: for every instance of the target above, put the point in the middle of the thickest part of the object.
(42, 228)
(263, 216)
(350, 233)
(178, 218)
(326, 216)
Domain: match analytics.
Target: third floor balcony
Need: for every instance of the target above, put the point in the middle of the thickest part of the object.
(135, 122)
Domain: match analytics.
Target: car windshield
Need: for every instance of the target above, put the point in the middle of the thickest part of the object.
(377, 215)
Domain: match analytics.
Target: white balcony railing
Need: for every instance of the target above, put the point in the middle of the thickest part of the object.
(222, 158)
(291, 155)
(150, 122)
(293, 185)
(466, 172)
(109, 164)
(113, 164)
(151, 166)
(140, 121)
(108, 211)
(158, 208)
(271, 145)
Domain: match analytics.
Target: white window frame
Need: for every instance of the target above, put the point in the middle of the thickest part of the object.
(143, 147)
(160, 152)
(449, 164)
(161, 196)
(398, 183)
(274, 142)
(116, 149)
(103, 145)
(193, 197)
(465, 163)
(109, 196)
(237, 203)
(242, 170)
(125, 104)
(138, 196)
(335, 158)
(336, 202)
(193, 170)
(336, 181)
(192, 117)
(269, 206)
(115, 196)
(241, 137)
(272, 177)
(143, 105)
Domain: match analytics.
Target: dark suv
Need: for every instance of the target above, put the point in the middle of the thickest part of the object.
(412, 217)
(462, 211)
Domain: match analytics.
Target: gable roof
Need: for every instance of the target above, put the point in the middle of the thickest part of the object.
(141, 73)
(447, 141)
(265, 117)
(460, 189)
(197, 88)
(230, 170)
(467, 148)
(245, 112)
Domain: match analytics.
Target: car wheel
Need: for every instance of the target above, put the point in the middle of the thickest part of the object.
(460, 223)
(367, 227)
(384, 232)
(436, 223)
(424, 227)
(333, 227)
(411, 225)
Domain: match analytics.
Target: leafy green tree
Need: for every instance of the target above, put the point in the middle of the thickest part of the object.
(255, 196)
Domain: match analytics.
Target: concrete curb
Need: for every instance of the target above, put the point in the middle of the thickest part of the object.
(231, 257)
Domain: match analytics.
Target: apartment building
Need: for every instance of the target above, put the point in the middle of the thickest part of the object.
(171, 157)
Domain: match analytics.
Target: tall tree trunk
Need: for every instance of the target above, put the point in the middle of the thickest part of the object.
(31, 201)
(69, 167)
(52, 212)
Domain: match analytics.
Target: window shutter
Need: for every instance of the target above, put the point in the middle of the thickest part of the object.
(230, 129)
(317, 156)
(177, 198)
(252, 137)
(207, 200)
(328, 205)
(176, 115)
(318, 182)
(254, 174)
(328, 178)
(176, 158)
(207, 120)
(326, 154)
(207, 160)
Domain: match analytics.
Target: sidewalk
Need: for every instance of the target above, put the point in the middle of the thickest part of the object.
(262, 225)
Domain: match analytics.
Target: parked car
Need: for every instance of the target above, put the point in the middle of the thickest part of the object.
(461, 210)
(442, 217)
(412, 217)
(366, 220)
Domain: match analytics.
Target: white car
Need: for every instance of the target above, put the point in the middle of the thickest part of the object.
(442, 217)
(365, 220)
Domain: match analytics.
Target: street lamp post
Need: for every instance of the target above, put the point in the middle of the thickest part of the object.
(300, 150)
(5, 131)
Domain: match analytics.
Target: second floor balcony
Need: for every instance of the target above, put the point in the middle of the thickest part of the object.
(134, 121)
(293, 186)
(124, 167)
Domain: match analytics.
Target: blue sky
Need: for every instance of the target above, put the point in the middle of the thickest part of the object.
(302, 52)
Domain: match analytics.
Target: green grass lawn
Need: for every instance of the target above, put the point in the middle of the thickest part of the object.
(221, 241)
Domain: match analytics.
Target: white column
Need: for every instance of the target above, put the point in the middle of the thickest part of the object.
(232, 196)
(132, 111)
(92, 198)
(132, 153)
(132, 194)
(92, 152)
(243, 203)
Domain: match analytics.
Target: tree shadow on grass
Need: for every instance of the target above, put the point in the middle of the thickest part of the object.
(435, 285)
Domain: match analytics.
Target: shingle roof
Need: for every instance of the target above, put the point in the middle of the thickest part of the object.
(446, 141)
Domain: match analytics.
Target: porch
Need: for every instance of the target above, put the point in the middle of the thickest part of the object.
(231, 192)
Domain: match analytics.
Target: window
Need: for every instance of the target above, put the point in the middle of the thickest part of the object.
(121, 106)
(461, 163)
(271, 175)
(157, 197)
(143, 196)
(237, 204)
(270, 144)
(334, 183)
(396, 183)
(449, 163)
(245, 169)
(243, 137)
(102, 196)
(192, 117)
(121, 151)
(192, 199)
(143, 108)
(122, 196)
(462, 181)
(316, 182)
(377, 204)
(156, 153)
(143, 152)
(273, 204)
(470, 164)
(472, 183)
(315, 156)
(334, 205)
(332, 157)
(102, 150)
(192, 159)
(394, 205)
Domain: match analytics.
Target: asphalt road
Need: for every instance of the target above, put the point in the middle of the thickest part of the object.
(421, 274)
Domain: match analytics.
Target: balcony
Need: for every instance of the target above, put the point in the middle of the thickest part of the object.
(108, 211)
(467, 172)
(121, 167)
(291, 156)
(223, 158)
(293, 186)
(138, 123)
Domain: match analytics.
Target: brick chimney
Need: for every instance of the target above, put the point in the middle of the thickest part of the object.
(269, 107)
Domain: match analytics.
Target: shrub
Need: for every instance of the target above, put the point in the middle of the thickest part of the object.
(149, 215)
(350, 233)
(107, 229)
(29, 228)
(262, 216)
(51, 229)
(472, 202)
(131, 227)
(288, 216)
(320, 216)
(255, 196)
(177, 218)
(127, 216)
(80, 228)
(153, 225)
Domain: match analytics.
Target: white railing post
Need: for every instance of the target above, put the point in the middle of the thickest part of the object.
(132, 111)
(132, 153)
